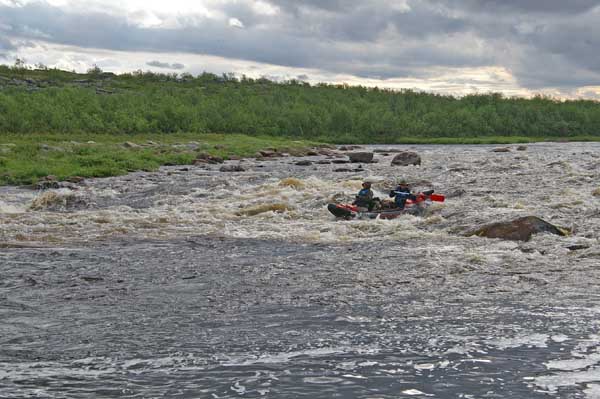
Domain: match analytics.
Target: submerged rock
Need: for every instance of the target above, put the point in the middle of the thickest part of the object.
(305, 162)
(518, 230)
(522, 148)
(361, 157)
(501, 149)
(406, 158)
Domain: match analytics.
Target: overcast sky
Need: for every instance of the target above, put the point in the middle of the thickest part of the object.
(517, 47)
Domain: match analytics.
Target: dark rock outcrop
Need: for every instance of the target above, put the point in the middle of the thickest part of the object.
(518, 230)
(361, 157)
(406, 158)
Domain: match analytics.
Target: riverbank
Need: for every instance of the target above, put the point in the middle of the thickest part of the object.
(25, 159)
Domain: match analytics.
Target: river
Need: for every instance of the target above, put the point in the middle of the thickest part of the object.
(194, 283)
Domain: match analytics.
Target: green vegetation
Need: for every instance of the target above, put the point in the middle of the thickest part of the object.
(47, 117)
(54, 101)
(24, 159)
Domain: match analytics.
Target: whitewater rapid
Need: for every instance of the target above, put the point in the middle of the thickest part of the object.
(191, 282)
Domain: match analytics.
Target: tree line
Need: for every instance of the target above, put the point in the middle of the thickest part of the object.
(54, 101)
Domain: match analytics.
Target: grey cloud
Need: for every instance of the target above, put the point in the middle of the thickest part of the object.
(328, 5)
(6, 44)
(165, 65)
(544, 43)
(535, 6)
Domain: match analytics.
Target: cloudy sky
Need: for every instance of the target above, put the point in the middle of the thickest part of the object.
(517, 47)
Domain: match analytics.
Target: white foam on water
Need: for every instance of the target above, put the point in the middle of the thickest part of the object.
(552, 382)
(323, 380)
(424, 366)
(415, 392)
(592, 391)
(559, 338)
(7, 208)
(25, 370)
(261, 205)
(580, 362)
(286, 357)
(535, 340)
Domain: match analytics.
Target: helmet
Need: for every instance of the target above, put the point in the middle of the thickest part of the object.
(402, 182)
(366, 184)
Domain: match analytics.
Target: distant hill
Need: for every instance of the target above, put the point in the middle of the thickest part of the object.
(56, 101)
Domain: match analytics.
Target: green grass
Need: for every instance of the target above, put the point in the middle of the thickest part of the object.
(24, 159)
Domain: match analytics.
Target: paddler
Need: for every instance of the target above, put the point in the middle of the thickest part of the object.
(364, 198)
(402, 193)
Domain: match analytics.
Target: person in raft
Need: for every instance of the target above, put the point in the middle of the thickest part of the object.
(364, 198)
(402, 193)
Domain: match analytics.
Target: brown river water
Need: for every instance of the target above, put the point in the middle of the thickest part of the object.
(195, 283)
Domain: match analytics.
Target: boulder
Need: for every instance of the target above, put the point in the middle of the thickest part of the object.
(387, 150)
(596, 192)
(340, 161)
(501, 149)
(232, 168)
(522, 148)
(406, 158)
(360, 157)
(520, 229)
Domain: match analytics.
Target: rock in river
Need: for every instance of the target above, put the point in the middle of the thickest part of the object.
(406, 158)
(518, 230)
(361, 157)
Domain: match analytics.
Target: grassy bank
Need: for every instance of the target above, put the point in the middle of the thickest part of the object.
(24, 159)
